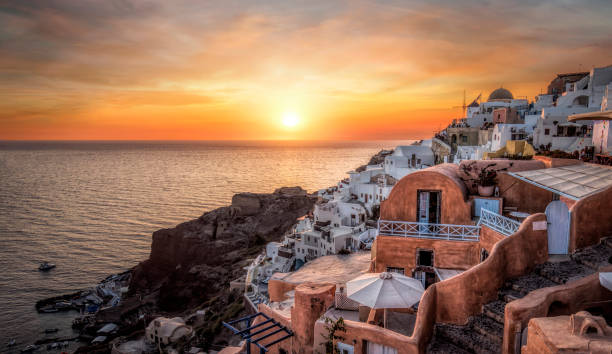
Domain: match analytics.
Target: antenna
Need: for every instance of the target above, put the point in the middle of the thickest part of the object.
(463, 107)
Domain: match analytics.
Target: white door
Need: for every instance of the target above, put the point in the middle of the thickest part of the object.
(424, 207)
(424, 212)
(558, 217)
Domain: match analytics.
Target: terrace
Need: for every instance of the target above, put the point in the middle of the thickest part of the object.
(425, 230)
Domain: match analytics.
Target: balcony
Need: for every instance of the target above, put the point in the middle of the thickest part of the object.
(499, 223)
(429, 231)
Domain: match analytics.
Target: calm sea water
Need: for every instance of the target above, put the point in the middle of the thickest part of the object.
(90, 207)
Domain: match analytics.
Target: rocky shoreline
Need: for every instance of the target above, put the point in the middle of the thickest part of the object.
(190, 268)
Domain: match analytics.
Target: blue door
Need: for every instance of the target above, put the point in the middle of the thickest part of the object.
(558, 218)
(489, 204)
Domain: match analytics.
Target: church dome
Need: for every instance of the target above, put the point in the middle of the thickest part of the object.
(500, 94)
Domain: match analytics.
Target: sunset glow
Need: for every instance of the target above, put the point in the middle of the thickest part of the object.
(290, 119)
(221, 70)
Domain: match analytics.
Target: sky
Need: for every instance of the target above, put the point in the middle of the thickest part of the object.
(311, 70)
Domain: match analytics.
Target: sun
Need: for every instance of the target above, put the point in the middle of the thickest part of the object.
(290, 119)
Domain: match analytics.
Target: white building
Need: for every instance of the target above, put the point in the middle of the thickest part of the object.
(165, 331)
(409, 158)
(602, 137)
(337, 226)
(582, 96)
(504, 132)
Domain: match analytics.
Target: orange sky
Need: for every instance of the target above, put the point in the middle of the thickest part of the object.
(231, 69)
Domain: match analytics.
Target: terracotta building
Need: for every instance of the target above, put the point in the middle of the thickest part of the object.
(486, 257)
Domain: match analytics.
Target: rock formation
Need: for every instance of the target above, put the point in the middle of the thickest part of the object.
(191, 265)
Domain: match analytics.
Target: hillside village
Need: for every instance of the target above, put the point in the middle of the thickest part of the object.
(500, 225)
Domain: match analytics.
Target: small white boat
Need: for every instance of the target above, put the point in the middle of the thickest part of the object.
(45, 266)
(11, 343)
(30, 348)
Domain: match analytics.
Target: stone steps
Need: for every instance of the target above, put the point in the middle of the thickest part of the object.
(531, 282)
(594, 257)
(495, 310)
(484, 332)
(441, 346)
(563, 272)
(509, 295)
(465, 337)
(489, 328)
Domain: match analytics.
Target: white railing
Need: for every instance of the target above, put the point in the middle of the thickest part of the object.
(498, 222)
(430, 231)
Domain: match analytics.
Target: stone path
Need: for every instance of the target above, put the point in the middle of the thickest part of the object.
(484, 332)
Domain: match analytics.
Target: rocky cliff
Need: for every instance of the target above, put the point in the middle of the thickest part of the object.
(191, 262)
(191, 265)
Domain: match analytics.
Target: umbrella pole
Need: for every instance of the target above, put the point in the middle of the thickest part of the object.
(385, 318)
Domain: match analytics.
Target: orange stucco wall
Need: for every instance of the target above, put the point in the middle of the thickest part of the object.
(522, 195)
(311, 301)
(577, 296)
(454, 207)
(394, 251)
(358, 334)
(488, 238)
(278, 288)
(463, 295)
(590, 220)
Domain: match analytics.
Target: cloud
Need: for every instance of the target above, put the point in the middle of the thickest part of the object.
(129, 55)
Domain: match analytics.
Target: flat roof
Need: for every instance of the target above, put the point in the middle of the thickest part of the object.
(575, 181)
(336, 269)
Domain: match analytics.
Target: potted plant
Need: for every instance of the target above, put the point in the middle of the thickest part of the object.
(486, 179)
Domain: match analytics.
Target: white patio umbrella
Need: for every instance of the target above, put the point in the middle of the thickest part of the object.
(605, 279)
(385, 291)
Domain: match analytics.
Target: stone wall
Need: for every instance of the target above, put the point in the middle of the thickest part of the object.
(574, 297)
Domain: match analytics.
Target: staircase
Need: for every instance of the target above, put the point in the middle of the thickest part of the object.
(484, 332)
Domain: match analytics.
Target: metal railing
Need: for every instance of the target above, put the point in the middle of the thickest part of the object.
(499, 223)
(428, 230)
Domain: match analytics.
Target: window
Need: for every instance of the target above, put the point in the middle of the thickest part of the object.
(546, 131)
(464, 139)
(395, 270)
(425, 258)
(483, 254)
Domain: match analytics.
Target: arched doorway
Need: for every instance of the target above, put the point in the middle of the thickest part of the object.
(558, 217)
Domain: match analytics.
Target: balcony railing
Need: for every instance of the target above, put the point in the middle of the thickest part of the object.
(499, 223)
(429, 231)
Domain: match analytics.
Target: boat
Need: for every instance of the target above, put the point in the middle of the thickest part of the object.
(11, 343)
(51, 330)
(45, 266)
(30, 348)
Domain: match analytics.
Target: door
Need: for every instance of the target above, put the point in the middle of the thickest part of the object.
(489, 204)
(558, 218)
(428, 207)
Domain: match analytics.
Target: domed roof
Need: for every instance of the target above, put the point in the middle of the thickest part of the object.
(500, 94)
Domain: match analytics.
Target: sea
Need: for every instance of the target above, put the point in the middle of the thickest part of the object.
(91, 207)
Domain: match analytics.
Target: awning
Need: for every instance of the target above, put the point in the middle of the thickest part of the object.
(601, 115)
(574, 181)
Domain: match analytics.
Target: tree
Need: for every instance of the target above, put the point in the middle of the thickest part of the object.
(332, 327)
